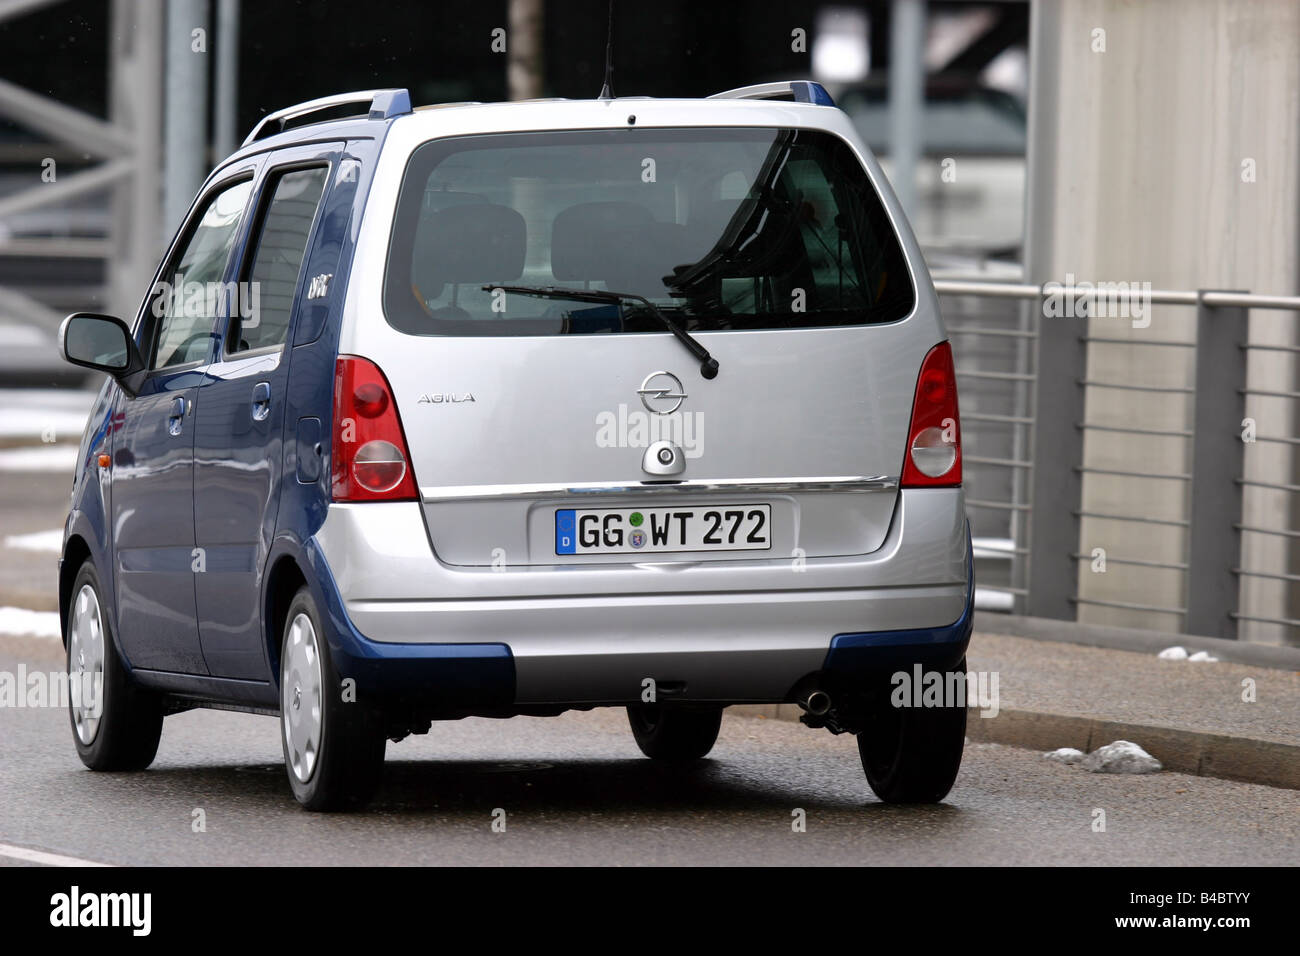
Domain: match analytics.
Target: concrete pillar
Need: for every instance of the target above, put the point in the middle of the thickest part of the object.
(524, 76)
(225, 134)
(135, 105)
(185, 130)
(906, 97)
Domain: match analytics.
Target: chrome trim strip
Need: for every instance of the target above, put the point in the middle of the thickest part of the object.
(719, 486)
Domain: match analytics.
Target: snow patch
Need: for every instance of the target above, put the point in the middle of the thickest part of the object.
(1067, 755)
(1180, 654)
(1122, 756)
(19, 620)
(51, 541)
(53, 458)
(35, 412)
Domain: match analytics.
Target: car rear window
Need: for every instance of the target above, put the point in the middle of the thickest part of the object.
(745, 228)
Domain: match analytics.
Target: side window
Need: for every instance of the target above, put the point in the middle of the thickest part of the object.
(281, 245)
(191, 292)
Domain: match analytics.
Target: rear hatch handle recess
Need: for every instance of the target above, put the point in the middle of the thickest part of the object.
(708, 364)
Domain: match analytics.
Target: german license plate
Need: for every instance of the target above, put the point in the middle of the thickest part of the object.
(661, 530)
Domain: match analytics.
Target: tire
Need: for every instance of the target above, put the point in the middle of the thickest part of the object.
(912, 754)
(333, 749)
(116, 725)
(675, 735)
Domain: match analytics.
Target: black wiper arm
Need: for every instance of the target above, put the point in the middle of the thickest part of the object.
(708, 364)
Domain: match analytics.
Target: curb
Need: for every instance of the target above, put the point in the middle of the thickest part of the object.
(1134, 639)
(1244, 759)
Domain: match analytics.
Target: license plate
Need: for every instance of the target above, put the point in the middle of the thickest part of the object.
(659, 530)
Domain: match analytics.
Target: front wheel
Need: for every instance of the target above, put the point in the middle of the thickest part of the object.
(116, 724)
(912, 754)
(333, 746)
(675, 735)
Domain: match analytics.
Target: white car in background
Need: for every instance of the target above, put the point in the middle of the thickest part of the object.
(979, 207)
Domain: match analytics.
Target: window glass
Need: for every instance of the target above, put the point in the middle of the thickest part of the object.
(191, 293)
(750, 228)
(266, 301)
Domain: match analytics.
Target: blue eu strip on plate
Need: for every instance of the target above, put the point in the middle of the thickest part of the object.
(565, 532)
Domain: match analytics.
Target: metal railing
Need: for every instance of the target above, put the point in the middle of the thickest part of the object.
(1027, 391)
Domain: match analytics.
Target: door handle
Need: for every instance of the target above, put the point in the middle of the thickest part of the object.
(176, 416)
(261, 401)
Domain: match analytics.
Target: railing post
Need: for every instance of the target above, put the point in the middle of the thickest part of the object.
(1057, 456)
(1219, 405)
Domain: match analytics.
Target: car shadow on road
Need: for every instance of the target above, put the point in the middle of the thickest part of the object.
(450, 788)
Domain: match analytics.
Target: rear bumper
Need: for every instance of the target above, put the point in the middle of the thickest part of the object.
(856, 658)
(404, 624)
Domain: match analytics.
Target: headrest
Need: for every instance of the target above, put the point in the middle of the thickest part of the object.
(618, 243)
(472, 243)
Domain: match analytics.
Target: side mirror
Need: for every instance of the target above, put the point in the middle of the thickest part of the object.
(101, 342)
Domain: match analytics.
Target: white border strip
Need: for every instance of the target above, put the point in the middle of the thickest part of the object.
(43, 858)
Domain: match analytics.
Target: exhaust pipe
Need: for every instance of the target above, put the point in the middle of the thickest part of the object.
(817, 703)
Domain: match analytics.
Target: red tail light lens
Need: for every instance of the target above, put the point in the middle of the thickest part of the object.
(934, 435)
(371, 399)
(370, 458)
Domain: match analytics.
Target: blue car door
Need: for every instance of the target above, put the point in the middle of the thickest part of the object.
(153, 462)
(239, 455)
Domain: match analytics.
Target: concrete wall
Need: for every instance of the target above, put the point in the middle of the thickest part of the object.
(1141, 180)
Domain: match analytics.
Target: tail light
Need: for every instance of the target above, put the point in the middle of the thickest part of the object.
(370, 460)
(934, 435)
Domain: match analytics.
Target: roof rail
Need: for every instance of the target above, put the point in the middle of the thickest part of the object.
(803, 91)
(384, 104)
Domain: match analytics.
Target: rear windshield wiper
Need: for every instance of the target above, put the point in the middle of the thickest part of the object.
(708, 364)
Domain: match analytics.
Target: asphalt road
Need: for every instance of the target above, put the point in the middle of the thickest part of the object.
(576, 791)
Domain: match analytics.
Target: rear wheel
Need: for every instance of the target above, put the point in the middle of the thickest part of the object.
(116, 725)
(676, 735)
(912, 754)
(333, 745)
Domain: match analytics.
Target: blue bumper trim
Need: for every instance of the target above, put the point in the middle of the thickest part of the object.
(856, 656)
(449, 678)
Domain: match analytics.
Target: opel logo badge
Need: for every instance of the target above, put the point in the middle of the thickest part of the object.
(661, 393)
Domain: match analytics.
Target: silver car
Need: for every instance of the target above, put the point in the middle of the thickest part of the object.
(543, 406)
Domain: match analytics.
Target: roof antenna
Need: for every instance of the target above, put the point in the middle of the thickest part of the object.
(605, 93)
